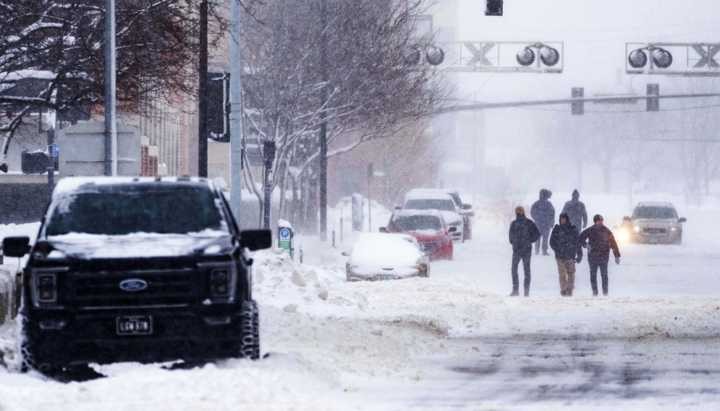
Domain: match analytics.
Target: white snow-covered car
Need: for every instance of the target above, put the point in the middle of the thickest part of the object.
(441, 201)
(386, 256)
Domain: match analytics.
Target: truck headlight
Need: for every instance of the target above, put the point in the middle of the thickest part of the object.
(219, 282)
(636, 229)
(45, 287)
(222, 281)
(673, 228)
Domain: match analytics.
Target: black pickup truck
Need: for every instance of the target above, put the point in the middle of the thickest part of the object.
(137, 269)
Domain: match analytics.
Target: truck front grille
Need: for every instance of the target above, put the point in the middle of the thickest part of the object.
(164, 287)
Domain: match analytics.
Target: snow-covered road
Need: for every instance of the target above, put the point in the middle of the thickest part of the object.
(452, 341)
(560, 372)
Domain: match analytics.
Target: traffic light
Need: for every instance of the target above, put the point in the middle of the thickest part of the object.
(653, 102)
(218, 100)
(578, 107)
(493, 7)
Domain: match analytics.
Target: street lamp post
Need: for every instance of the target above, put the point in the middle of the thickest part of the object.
(236, 130)
(110, 91)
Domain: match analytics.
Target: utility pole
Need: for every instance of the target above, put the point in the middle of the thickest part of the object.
(323, 123)
(110, 91)
(203, 92)
(236, 129)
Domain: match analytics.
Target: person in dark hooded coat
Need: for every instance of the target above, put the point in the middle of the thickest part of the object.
(543, 213)
(575, 209)
(568, 251)
(523, 233)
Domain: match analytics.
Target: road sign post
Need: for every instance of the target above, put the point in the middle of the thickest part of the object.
(285, 238)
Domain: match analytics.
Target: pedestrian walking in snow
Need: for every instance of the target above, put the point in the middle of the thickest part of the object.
(523, 233)
(543, 213)
(565, 244)
(599, 240)
(575, 209)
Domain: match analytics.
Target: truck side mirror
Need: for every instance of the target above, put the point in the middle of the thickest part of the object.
(682, 220)
(384, 230)
(452, 230)
(255, 240)
(16, 246)
(467, 206)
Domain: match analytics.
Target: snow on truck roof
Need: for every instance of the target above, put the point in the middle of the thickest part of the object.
(429, 194)
(664, 204)
(72, 184)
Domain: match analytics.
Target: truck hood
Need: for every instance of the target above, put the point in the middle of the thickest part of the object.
(451, 217)
(138, 245)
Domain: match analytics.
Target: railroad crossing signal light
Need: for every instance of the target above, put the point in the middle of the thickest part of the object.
(653, 102)
(494, 7)
(661, 58)
(578, 107)
(549, 56)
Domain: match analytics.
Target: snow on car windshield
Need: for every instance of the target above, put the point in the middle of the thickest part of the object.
(655, 212)
(120, 211)
(430, 204)
(417, 223)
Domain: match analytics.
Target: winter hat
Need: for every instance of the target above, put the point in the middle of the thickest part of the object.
(519, 210)
(575, 194)
(565, 216)
(597, 218)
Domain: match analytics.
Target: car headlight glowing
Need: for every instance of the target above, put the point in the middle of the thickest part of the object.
(636, 229)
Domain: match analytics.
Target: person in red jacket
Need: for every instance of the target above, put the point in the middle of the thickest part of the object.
(599, 240)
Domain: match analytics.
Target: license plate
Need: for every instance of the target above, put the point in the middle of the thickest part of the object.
(134, 325)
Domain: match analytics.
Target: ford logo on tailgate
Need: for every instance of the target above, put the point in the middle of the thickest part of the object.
(133, 285)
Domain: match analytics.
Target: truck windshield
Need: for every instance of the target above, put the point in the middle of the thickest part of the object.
(123, 210)
(655, 212)
(430, 204)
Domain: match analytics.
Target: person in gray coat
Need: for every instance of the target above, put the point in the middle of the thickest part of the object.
(575, 209)
(543, 213)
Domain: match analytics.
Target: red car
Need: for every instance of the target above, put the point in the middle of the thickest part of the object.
(429, 229)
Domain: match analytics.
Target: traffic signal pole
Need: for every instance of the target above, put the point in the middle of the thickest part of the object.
(566, 101)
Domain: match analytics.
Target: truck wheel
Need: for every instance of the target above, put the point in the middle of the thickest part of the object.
(26, 352)
(250, 327)
(29, 360)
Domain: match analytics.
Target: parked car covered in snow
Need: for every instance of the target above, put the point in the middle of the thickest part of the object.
(428, 228)
(441, 201)
(655, 222)
(137, 269)
(386, 256)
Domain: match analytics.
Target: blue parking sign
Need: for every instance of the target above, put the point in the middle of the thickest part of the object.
(54, 150)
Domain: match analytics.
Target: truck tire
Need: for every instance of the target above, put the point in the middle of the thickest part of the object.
(29, 359)
(250, 327)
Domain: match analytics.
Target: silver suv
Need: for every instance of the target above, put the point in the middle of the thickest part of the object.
(656, 222)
